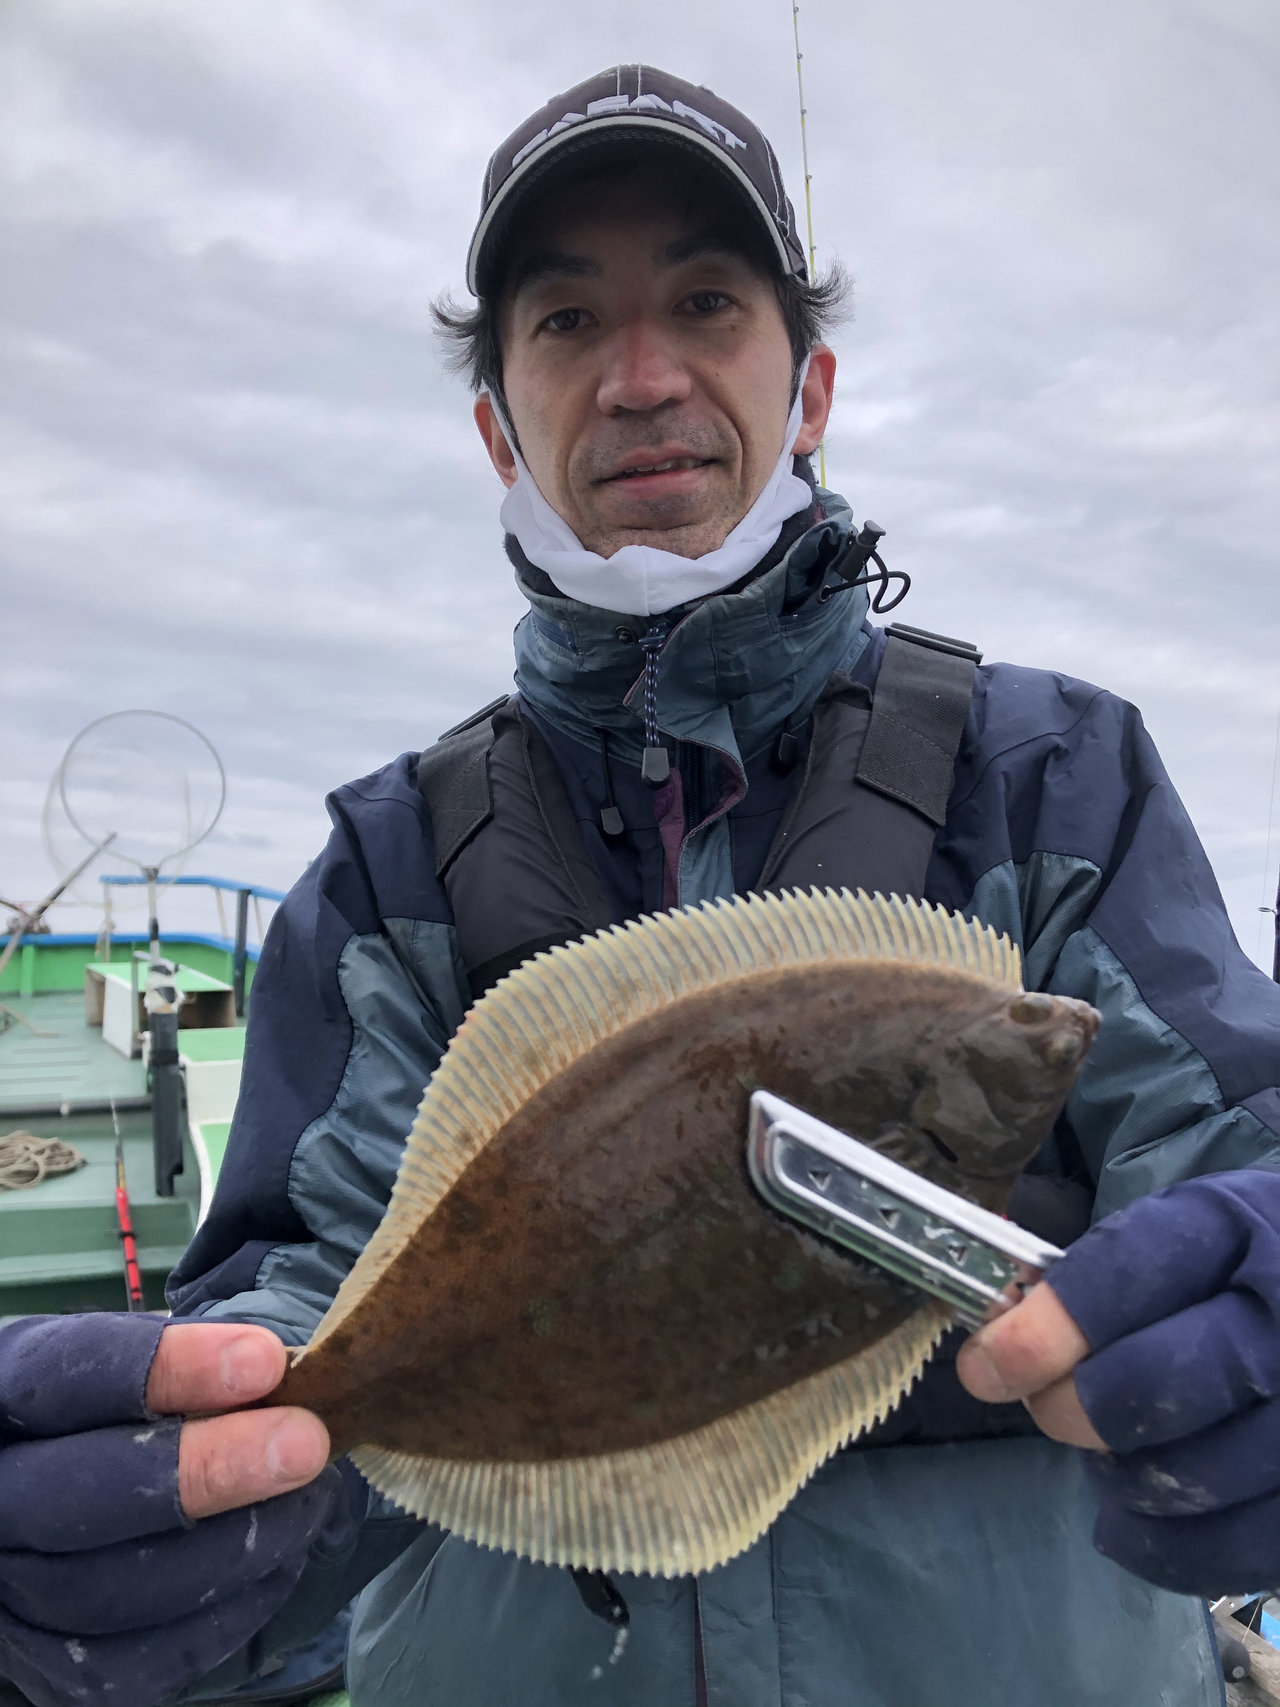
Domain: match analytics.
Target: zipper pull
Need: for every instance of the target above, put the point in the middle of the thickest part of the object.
(655, 766)
(787, 747)
(610, 817)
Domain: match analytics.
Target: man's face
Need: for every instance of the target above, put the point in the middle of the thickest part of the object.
(646, 364)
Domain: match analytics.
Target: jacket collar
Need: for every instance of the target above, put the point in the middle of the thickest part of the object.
(735, 667)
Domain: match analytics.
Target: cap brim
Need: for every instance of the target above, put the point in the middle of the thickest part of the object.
(596, 133)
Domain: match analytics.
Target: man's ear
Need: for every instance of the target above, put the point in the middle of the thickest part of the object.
(495, 440)
(816, 394)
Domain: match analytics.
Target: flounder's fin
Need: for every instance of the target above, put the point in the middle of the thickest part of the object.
(682, 1506)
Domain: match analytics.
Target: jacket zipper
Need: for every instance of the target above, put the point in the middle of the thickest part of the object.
(655, 766)
(699, 1655)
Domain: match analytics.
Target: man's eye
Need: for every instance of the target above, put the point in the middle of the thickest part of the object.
(706, 301)
(564, 320)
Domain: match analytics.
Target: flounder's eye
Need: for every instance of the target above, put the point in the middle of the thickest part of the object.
(1066, 1048)
(1030, 1007)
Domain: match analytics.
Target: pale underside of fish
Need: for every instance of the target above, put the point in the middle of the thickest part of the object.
(578, 1334)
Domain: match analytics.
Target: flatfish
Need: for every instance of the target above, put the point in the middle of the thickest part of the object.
(578, 1334)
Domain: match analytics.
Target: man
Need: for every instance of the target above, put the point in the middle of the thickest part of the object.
(651, 381)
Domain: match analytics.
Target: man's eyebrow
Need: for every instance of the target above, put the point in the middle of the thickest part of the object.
(552, 264)
(543, 264)
(697, 246)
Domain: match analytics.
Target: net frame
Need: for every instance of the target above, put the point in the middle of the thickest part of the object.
(205, 824)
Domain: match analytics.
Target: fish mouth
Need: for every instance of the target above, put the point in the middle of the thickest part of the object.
(944, 1149)
(920, 1145)
(919, 1148)
(941, 1164)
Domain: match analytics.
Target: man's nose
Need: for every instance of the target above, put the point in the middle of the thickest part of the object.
(642, 370)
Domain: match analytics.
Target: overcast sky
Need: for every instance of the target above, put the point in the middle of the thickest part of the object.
(235, 483)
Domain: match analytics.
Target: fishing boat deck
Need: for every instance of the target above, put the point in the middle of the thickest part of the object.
(59, 1239)
(50, 1058)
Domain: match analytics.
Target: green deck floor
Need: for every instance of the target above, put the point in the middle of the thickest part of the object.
(59, 1240)
(56, 1058)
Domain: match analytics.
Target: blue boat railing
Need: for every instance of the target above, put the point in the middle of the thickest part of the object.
(234, 940)
(243, 892)
(125, 879)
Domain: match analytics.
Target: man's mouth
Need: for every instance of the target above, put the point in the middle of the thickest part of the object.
(649, 468)
(639, 469)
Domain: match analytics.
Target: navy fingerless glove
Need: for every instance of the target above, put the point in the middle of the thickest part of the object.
(1178, 1296)
(108, 1593)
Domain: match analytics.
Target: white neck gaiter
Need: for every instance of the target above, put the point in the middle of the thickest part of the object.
(643, 580)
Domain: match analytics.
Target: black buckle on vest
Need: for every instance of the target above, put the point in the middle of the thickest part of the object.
(935, 642)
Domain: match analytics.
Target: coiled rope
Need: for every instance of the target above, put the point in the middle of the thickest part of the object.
(26, 1160)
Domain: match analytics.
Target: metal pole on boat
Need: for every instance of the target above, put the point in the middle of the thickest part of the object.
(152, 875)
(241, 950)
(161, 1003)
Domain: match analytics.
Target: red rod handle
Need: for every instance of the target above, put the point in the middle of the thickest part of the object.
(132, 1273)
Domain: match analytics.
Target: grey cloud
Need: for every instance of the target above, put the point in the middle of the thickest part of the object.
(236, 484)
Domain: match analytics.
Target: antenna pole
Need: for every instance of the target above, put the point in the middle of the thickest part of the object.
(808, 198)
(1266, 866)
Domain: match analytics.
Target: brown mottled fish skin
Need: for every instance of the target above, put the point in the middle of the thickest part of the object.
(603, 1275)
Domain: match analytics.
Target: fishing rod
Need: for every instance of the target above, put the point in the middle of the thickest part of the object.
(1275, 911)
(128, 1244)
(27, 918)
(808, 199)
(1266, 866)
(30, 916)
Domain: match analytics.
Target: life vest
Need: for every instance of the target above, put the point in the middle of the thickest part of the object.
(864, 814)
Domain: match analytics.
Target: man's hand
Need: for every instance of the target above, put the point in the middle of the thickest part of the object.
(1155, 1341)
(1030, 1354)
(233, 1460)
(137, 1550)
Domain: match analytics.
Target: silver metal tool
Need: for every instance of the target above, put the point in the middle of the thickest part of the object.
(918, 1231)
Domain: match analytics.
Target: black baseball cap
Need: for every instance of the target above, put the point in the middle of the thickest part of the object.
(639, 104)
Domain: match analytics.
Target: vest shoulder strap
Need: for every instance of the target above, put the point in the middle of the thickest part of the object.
(508, 849)
(879, 772)
(453, 779)
(918, 713)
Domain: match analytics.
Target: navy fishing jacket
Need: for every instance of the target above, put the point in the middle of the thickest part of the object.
(948, 1559)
